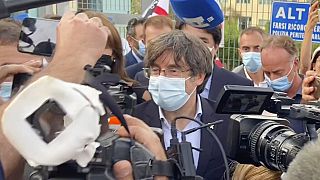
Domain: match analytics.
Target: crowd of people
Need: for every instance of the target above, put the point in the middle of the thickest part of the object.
(173, 69)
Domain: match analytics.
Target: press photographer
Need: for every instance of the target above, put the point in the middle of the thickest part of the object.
(91, 41)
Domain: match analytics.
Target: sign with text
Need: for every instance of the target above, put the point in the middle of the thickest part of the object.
(290, 19)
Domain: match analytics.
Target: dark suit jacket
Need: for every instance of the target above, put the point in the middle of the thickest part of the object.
(221, 77)
(210, 165)
(130, 59)
(1, 172)
(133, 69)
(141, 78)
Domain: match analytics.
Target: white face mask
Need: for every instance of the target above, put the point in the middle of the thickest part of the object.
(77, 141)
(169, 93)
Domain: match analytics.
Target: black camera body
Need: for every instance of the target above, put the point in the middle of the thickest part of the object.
(266, 140)
(111, 150)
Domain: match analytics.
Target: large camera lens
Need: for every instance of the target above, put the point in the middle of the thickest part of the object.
(275, 145)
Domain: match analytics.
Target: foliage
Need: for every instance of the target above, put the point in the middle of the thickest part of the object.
(229, 53)
(136, 7)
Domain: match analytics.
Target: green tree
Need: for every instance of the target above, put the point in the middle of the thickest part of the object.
(136, 7)
(229, 53)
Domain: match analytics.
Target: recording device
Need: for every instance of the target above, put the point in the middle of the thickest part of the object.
(11, 6)
(38, 36)
(265, 140)
(111, 150)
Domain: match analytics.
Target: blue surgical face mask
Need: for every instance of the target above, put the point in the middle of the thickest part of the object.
(169, 93)
(281, 84)
(5, 90)
(142, 48)
(252, 61)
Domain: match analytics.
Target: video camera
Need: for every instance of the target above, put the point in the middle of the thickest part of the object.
(112, 148)
(266, 140)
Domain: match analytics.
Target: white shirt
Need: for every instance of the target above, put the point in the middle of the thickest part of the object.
(261, 84)
(194, 138)
(206, 90)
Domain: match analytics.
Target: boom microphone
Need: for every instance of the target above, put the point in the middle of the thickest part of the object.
(306, 164)
(11, 6)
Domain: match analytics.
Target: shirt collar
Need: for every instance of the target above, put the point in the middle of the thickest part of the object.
(197, 115)
(136, 56)
(246, 73)
(208, 84)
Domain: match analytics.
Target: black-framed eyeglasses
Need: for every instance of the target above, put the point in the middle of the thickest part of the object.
(173, 72)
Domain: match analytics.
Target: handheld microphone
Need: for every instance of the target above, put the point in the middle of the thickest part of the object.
(7, 7)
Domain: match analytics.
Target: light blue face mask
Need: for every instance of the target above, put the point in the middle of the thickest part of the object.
(281, 84)
(5, 90)
(252, 61)
(169, 93)
(142, 48)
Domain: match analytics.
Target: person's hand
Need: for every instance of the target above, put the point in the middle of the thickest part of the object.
(308, 91)
(144, 135)
(79, 36)
(29, 67)
(313, 16)
(80, 41)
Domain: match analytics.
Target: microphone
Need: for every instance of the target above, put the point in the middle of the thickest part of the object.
(306, 164)
(7, 7)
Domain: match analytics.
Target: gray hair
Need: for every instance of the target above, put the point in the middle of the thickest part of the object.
(132, 24)
(251, 30)
(284, 42)
(186, 49)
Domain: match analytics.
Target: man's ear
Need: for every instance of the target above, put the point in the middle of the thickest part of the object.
(239, 51)
(130, 41)
(199, 79)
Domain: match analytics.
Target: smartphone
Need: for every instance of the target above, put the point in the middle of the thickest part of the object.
(38, 36)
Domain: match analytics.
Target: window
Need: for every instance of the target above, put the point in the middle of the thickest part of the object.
(95, 5)
(244, 22)
(243, 1)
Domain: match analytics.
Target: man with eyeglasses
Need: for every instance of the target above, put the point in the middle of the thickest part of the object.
(220, 76)
(134, 38)
(152, 28)
(178, 66)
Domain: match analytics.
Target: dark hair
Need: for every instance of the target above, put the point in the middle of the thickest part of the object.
(215, 32)
(251, 30)
(186, 50)
(132, 24)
